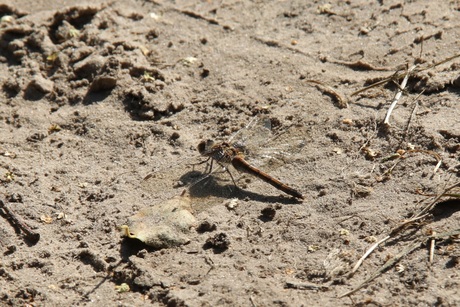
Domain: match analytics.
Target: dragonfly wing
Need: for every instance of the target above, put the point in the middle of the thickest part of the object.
(253, 135)
(160, 180)
(275, 148)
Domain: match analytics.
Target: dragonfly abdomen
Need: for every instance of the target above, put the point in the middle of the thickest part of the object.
(243, 166)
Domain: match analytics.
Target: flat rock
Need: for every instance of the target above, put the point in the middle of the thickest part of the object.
(163, 225)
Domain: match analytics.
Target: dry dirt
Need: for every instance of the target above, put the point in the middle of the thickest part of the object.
(95, 96)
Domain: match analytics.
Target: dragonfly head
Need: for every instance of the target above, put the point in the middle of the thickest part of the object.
(204, 147)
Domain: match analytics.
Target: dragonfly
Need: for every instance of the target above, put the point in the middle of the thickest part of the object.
(226, 153)
(256, 141)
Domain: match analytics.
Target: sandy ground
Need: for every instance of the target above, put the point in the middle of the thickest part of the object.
(95, 97)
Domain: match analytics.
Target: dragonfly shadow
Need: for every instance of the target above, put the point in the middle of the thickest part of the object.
(283, 199)
(203, 185)
(214, 186)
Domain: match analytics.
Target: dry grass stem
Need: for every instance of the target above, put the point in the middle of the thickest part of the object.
(425, 212)
(398, 94)
(397, 75)
(415, 244)
(432, 245)
(385, 267)
(399, 156)
(369, 251)
(445, 193)
(412, 115)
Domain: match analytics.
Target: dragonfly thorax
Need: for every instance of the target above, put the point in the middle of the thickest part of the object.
(222, 152)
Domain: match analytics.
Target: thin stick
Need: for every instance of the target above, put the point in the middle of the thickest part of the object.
(432, 244)
(415, 244)
(369, 251)
(305, 286)
(342, 103)
(440, 62)
(406, 132)
(398, 95)
(385, 267)
(443, 235)
(393, 77)
(433, 203)
(397, 75)
(437, 166)
(400, 227)
(399, 156)
(16, 221)
(393, 232)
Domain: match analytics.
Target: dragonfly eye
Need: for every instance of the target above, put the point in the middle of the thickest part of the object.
(204, 146)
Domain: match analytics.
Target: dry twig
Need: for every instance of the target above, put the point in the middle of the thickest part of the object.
(416, 243)
(402, 153)
(366, 254)
(397, 75)
(432, 245)
(342, 102)
(445, 193)
(16, 221)
(385, 267)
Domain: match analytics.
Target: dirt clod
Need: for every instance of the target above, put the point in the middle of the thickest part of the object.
(219, 242)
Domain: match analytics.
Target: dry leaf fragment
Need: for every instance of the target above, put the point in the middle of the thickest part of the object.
(54, 128)
(124, 287)
(46, 219)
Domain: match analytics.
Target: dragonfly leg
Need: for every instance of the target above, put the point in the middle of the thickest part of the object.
(225, 169)
(231, 176)
(202, 162)
(210, 167)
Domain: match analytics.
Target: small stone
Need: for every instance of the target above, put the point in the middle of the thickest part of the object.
(232, 203)
(7, 19)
